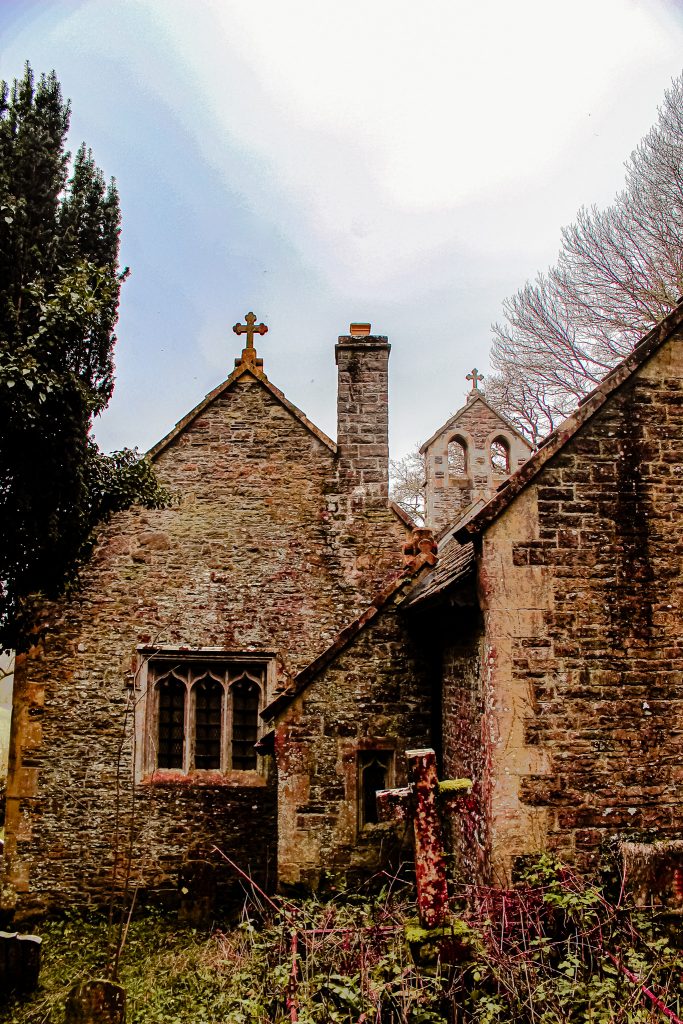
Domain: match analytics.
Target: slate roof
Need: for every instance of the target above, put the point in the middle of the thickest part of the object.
(456, 563)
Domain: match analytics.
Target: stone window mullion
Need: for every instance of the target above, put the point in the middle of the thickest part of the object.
(229, 723)
(190, 701)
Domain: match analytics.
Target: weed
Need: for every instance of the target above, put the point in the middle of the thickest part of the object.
(552, 950)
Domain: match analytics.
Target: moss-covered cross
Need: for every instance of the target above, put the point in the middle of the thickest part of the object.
(420, 801)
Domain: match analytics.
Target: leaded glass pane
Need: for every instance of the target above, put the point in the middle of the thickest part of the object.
(208, 714)
(245, 702)
(171, 723)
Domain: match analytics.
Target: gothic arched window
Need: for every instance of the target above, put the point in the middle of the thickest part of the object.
(245, 694)
(208, 719)
(171, 744)
(500, 456)
(457, 457)
(203, 715)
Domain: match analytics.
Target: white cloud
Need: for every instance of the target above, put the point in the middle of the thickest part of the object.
(372, 124)
(409, 163)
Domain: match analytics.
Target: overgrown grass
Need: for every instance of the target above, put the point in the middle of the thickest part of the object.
(554, 950)
(352, 963)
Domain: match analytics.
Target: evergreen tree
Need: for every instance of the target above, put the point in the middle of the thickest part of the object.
(59, 295)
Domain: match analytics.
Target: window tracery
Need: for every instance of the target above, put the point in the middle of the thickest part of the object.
(204, 716)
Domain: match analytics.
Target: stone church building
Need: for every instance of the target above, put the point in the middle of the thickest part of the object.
(241, 671)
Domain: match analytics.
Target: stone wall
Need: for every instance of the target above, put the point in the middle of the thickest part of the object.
(463, 738)
(250, 557)
(582, 595)
(376, 695)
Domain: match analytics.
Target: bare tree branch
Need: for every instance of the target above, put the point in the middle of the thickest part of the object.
(620, 270)
(407, 484)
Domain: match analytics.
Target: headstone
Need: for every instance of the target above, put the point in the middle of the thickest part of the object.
(96, 1002)
(197, 884)
(19, 963)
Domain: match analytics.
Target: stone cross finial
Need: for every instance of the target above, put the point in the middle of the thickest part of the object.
(475, 377)
(250, 329)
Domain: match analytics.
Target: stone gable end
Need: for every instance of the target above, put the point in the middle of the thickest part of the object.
(377, 695)
(253, 555)
(582, 594)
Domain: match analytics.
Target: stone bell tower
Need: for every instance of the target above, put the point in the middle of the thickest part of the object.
(468, 458)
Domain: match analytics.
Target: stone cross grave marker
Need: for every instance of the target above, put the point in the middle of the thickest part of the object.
(420, 800)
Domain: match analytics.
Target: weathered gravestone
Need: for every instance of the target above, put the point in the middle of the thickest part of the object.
(19, 963)
(96, 1002)
(197, 884)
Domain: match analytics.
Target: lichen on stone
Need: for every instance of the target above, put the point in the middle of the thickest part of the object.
(448, 786)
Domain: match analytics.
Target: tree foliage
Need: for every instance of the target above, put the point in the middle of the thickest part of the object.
(620, 270)
(59, 295)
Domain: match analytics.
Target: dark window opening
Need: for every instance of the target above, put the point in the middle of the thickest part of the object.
(205, 715)
(373, 774)
(500, 456)
(457, 458)
(245, 703)
(208, 715)
(171, 723)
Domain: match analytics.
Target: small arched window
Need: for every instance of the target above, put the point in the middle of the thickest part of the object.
(171, 723)
(208, 710)
(245, 704)
(373, 774)
(457, 457)
(500, 456)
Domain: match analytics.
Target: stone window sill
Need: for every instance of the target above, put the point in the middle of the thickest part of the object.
(175, 777)
(372, 829)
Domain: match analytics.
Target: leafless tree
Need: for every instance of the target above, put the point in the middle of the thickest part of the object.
(407, 476)
(620, 270)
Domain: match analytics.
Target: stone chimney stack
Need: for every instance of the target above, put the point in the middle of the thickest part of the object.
(363, 417)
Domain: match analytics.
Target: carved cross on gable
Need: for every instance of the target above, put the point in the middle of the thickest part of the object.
(250, 329)
(420, 801)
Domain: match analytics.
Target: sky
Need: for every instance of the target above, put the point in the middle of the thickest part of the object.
(319, 163)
